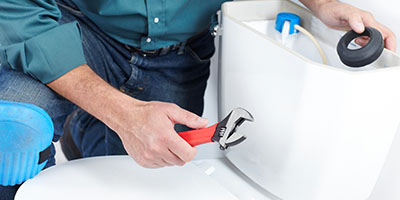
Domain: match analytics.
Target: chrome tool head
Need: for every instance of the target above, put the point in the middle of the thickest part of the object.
(226, 133)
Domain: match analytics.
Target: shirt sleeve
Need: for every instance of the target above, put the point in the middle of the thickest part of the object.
(32, 41)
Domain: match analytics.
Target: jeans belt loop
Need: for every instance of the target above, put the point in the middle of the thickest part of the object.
(165, 50)
(182, 48)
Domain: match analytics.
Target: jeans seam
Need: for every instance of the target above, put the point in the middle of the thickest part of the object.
(195, 56)
(130, 85)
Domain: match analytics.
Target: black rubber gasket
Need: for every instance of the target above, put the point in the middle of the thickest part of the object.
(366, 54)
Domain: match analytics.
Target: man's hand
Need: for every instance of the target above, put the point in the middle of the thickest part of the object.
(343, 16)
(145, 128)
(147, 132)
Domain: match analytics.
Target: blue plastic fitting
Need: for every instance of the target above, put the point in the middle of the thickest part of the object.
(284, 16)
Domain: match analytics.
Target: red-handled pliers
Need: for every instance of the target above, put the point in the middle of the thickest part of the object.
(223, 132)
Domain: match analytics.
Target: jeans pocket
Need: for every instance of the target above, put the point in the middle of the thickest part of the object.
(73, 10)
(202, 50)
(134, 85)
(196, 57)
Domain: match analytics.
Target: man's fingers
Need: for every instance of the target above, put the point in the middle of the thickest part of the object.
(389, 37)
(182, 116)
(387, 34)
(151, 165)
(154, 143)
(173, 159)
(181, 148)
(157, 163)
(160, 158)
(177, 145)
(362, 41)
(169, 158)
(356, 23)
(166, 163)
(390, 43)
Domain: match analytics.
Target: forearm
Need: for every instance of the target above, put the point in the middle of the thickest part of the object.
(86, 89)
(314, 5)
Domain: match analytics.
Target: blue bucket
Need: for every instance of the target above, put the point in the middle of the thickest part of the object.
(26, 133)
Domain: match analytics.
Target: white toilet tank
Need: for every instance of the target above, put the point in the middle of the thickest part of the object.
(321, 132)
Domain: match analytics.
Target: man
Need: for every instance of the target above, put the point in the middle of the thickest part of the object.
(119, 69)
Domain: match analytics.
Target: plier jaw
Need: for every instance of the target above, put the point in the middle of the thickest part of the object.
(223, 132)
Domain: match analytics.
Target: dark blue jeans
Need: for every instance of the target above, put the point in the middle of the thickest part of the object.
(176, 78)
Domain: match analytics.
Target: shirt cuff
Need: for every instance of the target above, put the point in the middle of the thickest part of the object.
(50, 54)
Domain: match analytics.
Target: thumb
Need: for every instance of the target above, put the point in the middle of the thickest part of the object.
(182, 116)
(356, 23)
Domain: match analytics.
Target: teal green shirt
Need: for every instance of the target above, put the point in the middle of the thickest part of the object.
(32, 41)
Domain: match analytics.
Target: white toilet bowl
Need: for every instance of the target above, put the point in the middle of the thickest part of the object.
(119, 177)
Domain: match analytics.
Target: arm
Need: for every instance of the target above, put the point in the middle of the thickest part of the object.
(343, 16)
(145, 128)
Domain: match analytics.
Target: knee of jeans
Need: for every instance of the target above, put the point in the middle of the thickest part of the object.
(18, 87)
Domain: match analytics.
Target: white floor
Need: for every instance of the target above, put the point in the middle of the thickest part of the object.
(60, 158)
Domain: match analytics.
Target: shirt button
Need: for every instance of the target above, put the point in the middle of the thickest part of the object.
(148, 40)
(156, 20)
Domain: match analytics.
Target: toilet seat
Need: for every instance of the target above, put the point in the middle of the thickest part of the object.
(119, 177)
